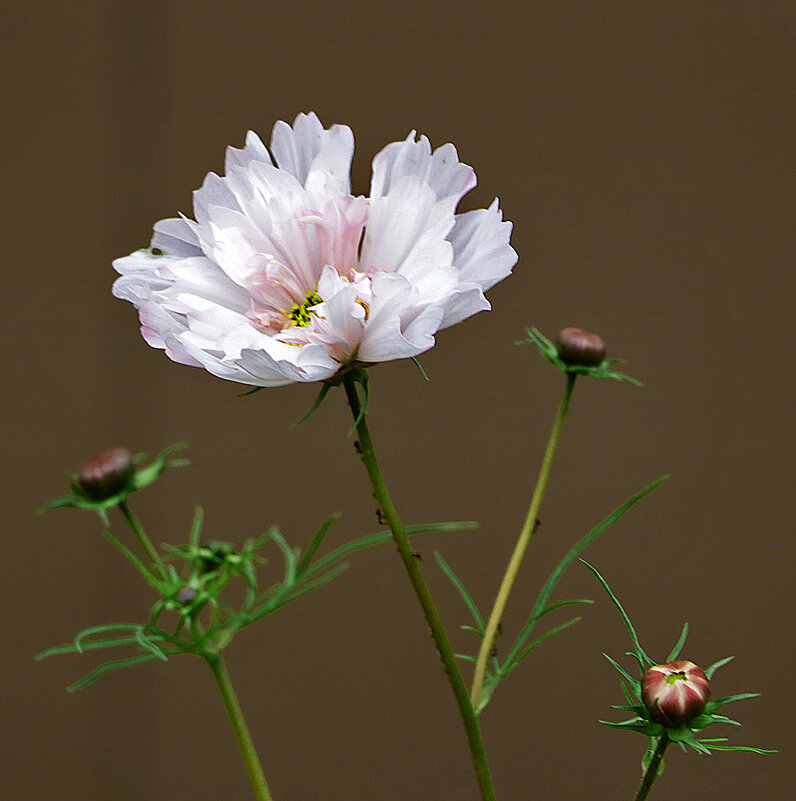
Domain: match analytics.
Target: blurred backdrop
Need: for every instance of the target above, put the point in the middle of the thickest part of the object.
(643, 155)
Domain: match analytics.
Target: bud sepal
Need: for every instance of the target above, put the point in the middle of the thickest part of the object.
(550, 351)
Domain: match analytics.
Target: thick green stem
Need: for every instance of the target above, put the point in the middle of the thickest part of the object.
(143, 539)
(253, 766)
(652, 769)
(519, 549)
(469, 718)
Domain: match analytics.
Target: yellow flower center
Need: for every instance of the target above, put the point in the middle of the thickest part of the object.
(301, 313)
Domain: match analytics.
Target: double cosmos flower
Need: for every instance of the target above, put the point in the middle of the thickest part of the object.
(285, 276)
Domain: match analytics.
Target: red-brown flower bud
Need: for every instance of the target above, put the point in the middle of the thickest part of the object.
(675, 693)
(107, 473)
(185, 596)
(577, 347)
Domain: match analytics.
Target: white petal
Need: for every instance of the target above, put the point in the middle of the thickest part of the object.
(442, 170)
(253, 150)
(176, 236)
(397, 224)
(398, 325)
(313, 154)
(481, 250)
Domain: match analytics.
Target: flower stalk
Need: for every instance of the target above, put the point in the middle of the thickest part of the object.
(653, 768)
(531, 521)
(253, 766)
(436, 628)
(143, 539)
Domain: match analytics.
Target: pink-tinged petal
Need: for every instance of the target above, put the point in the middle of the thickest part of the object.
(481, 250)
(314, 155)
(441, 170)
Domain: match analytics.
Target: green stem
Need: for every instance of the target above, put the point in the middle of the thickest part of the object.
(245, 744)
(469, 718)
(143, 539)
(519, 549)
(652, 769)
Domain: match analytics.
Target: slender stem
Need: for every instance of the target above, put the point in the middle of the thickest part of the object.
(519, 549)
(652, 769)
(143, 539)
(253, 766)
(469, 718)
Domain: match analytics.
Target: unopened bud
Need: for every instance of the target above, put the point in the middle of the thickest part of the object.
(675, 693)
(579, 347)
(107, 473)
(185, 596)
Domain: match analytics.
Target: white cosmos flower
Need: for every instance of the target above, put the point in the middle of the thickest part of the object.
(286, 276)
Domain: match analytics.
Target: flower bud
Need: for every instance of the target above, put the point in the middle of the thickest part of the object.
(185, 596)
(107, 473)
(579, 347)
(675, 693)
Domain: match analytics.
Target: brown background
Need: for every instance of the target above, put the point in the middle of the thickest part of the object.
(642, 153)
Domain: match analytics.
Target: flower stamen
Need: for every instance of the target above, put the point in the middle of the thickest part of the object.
(300, 314)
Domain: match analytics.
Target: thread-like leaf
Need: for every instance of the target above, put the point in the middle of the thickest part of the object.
(466, 597)
(640, 653)
(316, 542)
(616, 664)
(198, 522)
(290, 557)
(558, 604)
(147, 645)
(93, 645)
(384, 536)
(82, 635)
(149, 577)
(109, 667)
(569, 558)
(508, 667)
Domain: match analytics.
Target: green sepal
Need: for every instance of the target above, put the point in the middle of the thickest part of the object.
(747, 748)
(142, 477)
(712, 706)
(675, 652)
(550, 352)
(319, 398)
(358, 376)
(638, 724)
(716, 665)
(420, 367)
